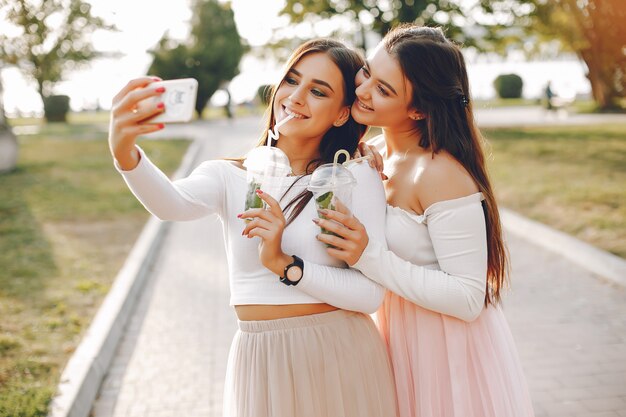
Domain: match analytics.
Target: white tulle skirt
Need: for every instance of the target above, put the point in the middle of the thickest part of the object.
(331, 364)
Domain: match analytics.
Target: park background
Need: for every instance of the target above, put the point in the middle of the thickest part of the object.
(67, 221)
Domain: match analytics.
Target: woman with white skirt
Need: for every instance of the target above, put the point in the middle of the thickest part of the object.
(306, 345)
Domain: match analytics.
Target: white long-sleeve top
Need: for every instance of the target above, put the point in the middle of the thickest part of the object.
(437, 260)
(219, 187)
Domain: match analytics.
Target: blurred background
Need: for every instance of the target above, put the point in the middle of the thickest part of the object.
(548, 80)
(89, 53)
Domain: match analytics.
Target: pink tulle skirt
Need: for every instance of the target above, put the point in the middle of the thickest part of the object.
(446, 367)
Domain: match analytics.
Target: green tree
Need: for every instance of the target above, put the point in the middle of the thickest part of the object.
(596, 31)
(50, 37)
(593, 29)
(211, 54)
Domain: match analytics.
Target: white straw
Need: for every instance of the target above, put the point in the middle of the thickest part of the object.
(335, 159)
(273, 135)
(363, 158)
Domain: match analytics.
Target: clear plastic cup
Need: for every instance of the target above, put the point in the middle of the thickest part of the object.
(329, 183)
(263, 164)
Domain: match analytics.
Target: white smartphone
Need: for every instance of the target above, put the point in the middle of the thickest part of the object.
(179, 98)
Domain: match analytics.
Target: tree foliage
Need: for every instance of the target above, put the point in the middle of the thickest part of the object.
(596, 31)
(593, 29)
(48, 38)
(211, 54)
(380, 16)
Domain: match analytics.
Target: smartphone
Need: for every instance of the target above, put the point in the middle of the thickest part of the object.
(179, 98)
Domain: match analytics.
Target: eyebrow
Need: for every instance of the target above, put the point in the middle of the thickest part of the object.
(367, 64)
(315, 80)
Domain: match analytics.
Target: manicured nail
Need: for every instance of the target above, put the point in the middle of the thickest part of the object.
(239, 216)
(161, 125)
(160, 105)
(259, 191)
(316, 221)
(160, 90)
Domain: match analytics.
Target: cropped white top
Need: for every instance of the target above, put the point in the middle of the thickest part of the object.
(219, 187)
(437, 260)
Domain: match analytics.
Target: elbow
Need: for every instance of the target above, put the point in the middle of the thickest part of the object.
(474, 308)
(375, 302)
(471, 314)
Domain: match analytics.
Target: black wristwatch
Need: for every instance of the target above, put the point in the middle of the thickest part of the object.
(293, 272)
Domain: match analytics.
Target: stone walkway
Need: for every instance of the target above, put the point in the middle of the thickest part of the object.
(570, 326)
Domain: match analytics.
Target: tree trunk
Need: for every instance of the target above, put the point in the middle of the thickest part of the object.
(8, 142)
(602, 85)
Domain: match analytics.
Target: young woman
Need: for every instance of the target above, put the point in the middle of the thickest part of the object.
(451, 349)
(304, 345)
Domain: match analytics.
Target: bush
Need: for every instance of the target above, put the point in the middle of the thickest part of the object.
(508, 85)
(264, 93)
(56, 108)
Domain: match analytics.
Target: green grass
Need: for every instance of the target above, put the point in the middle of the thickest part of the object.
(571, 178)
(67, 222)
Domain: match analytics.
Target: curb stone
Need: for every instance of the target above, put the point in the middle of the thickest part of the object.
(597, 261)
(87, 367)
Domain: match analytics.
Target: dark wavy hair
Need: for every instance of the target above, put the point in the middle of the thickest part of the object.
(346, 136)
(436, 69)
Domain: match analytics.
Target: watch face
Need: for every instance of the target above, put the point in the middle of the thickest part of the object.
(294, 273)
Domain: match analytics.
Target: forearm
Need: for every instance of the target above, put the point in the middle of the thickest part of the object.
(345, 288)
(158, 194)
(458, 296)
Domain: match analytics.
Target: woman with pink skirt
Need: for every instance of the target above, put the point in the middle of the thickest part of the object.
(451, 348)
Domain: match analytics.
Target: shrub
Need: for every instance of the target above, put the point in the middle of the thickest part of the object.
(508, 85)
(56, 108)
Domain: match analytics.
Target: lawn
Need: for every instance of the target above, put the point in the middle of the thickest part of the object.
(570, 178)
(67, 222)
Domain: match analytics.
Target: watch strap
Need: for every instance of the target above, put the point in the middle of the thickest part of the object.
(297, 262)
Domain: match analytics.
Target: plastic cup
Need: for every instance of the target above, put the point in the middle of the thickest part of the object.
(329, 183)
(264, 165)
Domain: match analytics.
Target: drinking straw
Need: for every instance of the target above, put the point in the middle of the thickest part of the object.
(362, 158)
(335, 159)
(274, 134)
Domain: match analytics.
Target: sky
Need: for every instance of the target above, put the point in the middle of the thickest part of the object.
(142, 23)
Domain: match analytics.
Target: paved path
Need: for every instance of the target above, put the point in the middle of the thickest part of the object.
(570, 326)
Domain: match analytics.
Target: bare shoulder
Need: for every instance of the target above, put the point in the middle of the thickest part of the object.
(443, 178)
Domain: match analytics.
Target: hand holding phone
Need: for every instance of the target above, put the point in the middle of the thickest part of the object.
(179, 99)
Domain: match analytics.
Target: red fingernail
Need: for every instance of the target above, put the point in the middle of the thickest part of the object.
(316, 221)
(160, 105)
(161, 125)
(259, 192)
(239, 216)
(160, 90)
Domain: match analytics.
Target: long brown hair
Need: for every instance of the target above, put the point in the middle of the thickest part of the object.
(436, 70)
(346, 136)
